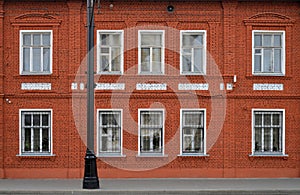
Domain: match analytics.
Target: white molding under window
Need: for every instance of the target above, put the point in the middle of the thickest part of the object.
(109, 154)
(50, 153)
(204, 48)
(41, 46)
(203, 110)
(151, 50)
(152, 154)
(282, 57)
(109, 48)
(282, 139)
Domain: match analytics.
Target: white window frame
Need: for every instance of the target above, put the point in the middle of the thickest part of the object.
(192, 72)
(140, 32)
(22, 32)
(51, 133)
(254, 153)
(283, 55)
(121, 32)
(151, 154)
(181, 132)
(109, 154)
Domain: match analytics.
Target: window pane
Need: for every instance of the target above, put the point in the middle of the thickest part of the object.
(197, 40)
(104, 144)
(27, 135)
(104, 39)
(36, 39)
(151, 39)
(267, 119)
(27, 39)
(276, 138)
(277, 40)
(267, 40)
(104, 63)
(257, 40)
(186, 63)
(276, 119)
(36, 140)
(115, 40)
(258, 119)
(36, 120)
(46, 39)
(45, 141)
(45, 120)
(258, 138)
(46, 59)
(145, 60)
(193, 119)
(26, 59)
(187, 143)
(116, 59)
(156, 60)
(187, 41)
(267, 139)
(36, 59)
(277, 60)
(198, 58)
(156, 140)
(257, 63)
(267, 60)
(198, 140)
(27, 120)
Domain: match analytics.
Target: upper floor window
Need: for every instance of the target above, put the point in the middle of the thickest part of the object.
(110, 52)
(110, 132)
(36, 132)
(193, 52)
(151, 124)
(35, 52)
(268, 53)
(268, 132)
(192, 132)
(151, 52)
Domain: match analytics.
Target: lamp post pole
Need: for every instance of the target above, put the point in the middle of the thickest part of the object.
(90, 180)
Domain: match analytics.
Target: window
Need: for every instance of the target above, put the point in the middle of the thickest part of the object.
(151, 132)
(268, 52)
(192, 132)
(36, 132)
(193, 52)
(109, 132)
(110, 52)
(268, 132)
(151, 52)
(35, 52)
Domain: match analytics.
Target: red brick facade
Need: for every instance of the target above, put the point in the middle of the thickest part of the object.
(229, 93)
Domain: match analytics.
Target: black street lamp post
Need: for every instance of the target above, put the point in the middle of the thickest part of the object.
(90, 180)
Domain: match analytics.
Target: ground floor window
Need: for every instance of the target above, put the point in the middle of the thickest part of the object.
(35, 132)
(151, 124)
(110, 132)
(192, 132)
(268, 131)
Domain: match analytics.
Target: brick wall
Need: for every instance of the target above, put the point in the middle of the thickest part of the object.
(228, 25)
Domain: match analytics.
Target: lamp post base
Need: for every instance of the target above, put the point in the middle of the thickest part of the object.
(90, 180)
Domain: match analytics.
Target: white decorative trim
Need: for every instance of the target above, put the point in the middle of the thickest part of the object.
(193, 86)
(110, 86)
(36, 86)
(268, 86)
(151, 86)
(74, 86)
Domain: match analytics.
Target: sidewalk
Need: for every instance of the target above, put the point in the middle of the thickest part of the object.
(153, 186)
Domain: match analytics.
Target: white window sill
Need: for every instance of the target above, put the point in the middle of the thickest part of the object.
(109, 73)
(36, 155)
(268, 155)
(193, 73)
(193, 155)
(268, 74)
(35, 73)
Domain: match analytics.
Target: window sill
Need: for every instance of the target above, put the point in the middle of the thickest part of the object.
(36, 155)
(193, 155)
(284, 156)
